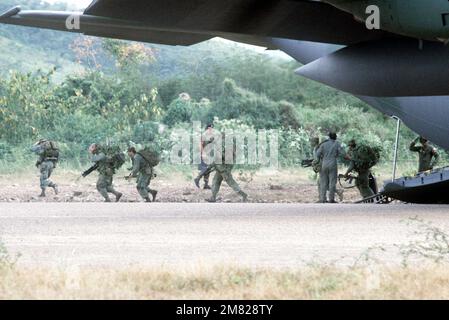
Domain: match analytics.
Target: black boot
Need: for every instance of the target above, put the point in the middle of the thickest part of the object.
(154, 194)
(244, 196)
(197, 182)
(42, 195)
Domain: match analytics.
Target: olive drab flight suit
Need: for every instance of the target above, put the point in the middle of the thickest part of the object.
(328, 153)
(428, 156)
(105, 177)
(144, 173)
(46, 165)
(339, 192)
(315, 150)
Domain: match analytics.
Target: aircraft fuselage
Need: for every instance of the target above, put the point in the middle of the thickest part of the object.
(420, 19)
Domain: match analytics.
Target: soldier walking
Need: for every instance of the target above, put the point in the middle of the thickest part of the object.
(48, 153)
(223, 172)
(143, 171)
(106, 172)
(363, 173)
(204, 170)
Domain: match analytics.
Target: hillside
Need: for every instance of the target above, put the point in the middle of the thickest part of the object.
(26, 58)
(29, 49)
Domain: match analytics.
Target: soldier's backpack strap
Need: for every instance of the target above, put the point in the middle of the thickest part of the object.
(144, 158)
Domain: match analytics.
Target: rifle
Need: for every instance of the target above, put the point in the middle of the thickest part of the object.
(90, 170)
(130, 177)
(348, 179)
(307, 163)
(211, 168)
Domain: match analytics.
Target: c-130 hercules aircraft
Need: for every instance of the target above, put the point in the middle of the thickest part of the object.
(401, 68)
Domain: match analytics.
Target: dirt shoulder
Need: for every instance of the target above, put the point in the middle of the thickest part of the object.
(265, 186)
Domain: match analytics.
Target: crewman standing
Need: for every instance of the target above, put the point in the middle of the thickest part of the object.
(428, 155)
(327, 155)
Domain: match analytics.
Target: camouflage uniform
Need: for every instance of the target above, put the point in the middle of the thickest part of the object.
(105, 177)
(224, 172)
(46, 166)
(327, 153)
(362, 182)
(428, 156)
(144, 173)
(315, 151)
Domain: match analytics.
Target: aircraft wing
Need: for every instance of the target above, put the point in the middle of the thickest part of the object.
(181, 22)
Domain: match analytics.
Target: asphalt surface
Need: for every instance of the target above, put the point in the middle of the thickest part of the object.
(192, 235)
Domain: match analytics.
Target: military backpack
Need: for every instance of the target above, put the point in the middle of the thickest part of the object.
(151, 156)
(51, 151)
(115, 158)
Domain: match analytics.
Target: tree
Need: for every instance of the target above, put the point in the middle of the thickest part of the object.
(180, 110)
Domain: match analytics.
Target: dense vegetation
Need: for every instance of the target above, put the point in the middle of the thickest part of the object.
(92, 89)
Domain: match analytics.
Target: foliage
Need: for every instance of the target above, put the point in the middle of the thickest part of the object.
(180, 110)
(128, 55)
(256, 110)
(26, 104)
(124, 91)
(365, 156)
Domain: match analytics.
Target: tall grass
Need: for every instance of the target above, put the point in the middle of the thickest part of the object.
(425, 278)
(321, 282)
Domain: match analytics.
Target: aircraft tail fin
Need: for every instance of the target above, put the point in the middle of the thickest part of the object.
(11, 12)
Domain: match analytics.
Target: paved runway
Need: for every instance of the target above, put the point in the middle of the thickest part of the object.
(191, 235)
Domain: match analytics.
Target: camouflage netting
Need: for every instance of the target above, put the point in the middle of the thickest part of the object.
(365, 157)
(115, 157)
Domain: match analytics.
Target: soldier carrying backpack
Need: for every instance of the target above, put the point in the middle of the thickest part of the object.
(144, 162)
(107, 160)
(363, 158)
(48, 153)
